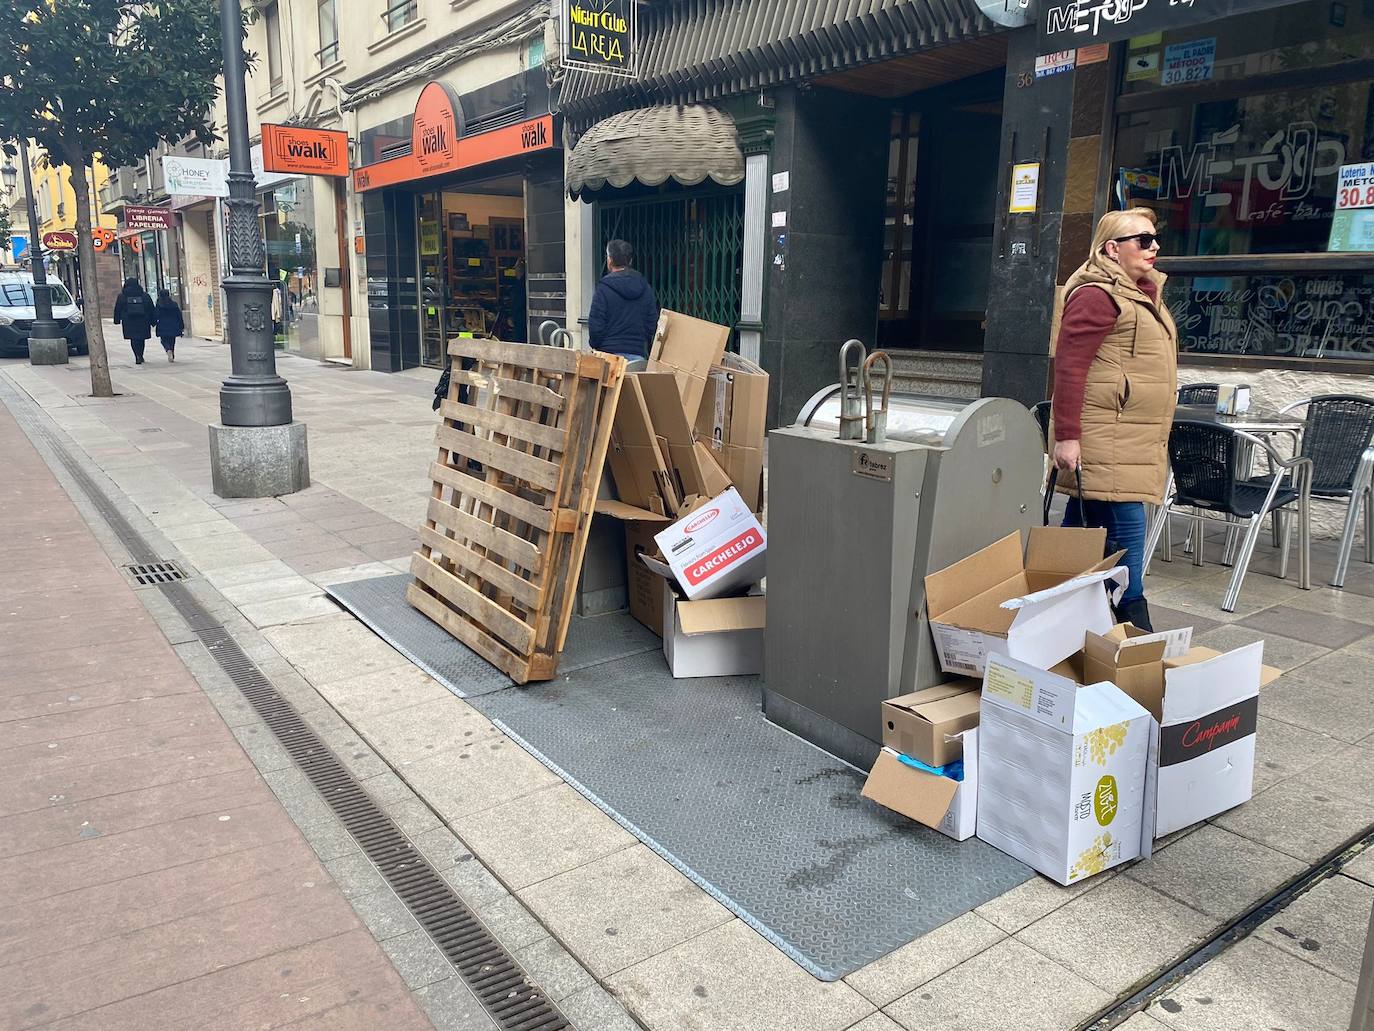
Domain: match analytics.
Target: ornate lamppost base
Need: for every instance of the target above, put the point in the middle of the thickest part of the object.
(258, 461)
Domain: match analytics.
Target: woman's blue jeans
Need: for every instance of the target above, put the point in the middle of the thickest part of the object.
(1126, 528)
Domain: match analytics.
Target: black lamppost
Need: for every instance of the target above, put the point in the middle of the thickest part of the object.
(47, 344)
(257, 450)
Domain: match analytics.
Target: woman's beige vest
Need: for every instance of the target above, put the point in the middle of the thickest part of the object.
(1132, 385)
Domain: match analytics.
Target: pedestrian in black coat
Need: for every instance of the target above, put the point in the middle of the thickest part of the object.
(168, 323)
(624, 311)
(133, 311)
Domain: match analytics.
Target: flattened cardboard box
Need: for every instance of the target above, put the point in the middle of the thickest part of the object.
(942, 804)
(1062, 771)
(692, 469)
(687, 348)
(924, 724)
(732, 422)
(638, 465)
(1034, 606)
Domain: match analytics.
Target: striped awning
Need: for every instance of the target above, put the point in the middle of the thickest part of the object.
(688, 143)
(695, 50)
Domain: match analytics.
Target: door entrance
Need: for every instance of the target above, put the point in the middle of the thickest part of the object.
(470, 265)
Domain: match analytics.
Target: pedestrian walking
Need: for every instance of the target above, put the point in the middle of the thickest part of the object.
(1115, 385)
(133, 312)
(168, 323)
(624, 310)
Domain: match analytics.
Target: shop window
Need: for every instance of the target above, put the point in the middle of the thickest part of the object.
(271, 23)
(388, 140)
(327, 17)
(400, 13)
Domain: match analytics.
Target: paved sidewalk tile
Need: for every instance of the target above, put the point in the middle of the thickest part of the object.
(907, 968)
(1326, 927)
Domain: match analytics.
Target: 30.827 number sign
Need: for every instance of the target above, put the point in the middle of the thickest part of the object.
(1355, 186)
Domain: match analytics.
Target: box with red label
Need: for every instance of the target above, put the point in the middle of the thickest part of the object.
(716, 549)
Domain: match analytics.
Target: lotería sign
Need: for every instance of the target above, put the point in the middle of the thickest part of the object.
(599, 35)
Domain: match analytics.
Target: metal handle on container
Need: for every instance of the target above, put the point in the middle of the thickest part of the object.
(851, 391)
(547, 327)
(561, 337)
(875, 421)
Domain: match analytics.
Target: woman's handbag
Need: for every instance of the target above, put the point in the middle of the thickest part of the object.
(1111, 546)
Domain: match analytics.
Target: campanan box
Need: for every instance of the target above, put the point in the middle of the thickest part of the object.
(1061, 771)
(716, 549)
(1035, 606)
(924, 724)
(940, 802)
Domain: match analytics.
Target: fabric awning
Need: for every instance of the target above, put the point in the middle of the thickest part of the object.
(688, 143)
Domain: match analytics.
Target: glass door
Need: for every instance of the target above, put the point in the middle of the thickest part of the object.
(430, 244)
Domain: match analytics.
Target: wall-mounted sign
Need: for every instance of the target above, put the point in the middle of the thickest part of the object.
(288, 148)
(141, 219)
(466, 152)
(1054, 64)
(436, 127)
(1074, 23)
(101, 238)
(200, 177)
(599, 35)
(1025, 188)
(59, 240)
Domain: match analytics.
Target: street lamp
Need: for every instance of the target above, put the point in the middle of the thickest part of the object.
(47, 343)
(9, 175)
(257, 450)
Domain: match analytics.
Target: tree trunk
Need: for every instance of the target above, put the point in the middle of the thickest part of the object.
(90, 282)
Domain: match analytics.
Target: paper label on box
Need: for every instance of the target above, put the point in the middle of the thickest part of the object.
(961, 651)
(1010, 686)
(1176, 642)
(1183, 741)
(728, 554)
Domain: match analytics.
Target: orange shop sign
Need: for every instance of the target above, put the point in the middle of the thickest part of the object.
(437, 143)
(288, 148)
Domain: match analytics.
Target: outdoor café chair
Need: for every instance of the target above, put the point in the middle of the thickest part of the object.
(1337, 434)
(1203, 457)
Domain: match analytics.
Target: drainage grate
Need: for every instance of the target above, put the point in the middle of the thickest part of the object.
(498, 981)
(148, 573)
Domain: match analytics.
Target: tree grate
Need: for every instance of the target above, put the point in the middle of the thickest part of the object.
(150, 574)
(493, 975)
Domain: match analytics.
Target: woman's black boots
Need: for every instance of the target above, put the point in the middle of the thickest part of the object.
(1137, 613)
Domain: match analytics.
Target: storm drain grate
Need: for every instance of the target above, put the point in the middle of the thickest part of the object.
(498, 981)
(147, 574)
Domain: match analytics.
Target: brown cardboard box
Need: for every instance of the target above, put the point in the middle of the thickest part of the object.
(692, 469)
(638, 464)
(644, 586)
(964, 602)
(687, 348)
(732, 421)
(917, 724)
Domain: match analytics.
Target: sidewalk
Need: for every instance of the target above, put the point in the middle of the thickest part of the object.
(151, 879)
(570, 878)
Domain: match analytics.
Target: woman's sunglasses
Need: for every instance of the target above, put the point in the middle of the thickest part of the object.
(1146, 240)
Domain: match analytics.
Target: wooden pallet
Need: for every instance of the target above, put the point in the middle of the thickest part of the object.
(520, 459)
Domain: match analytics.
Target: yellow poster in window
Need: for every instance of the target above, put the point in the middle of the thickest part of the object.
(1025, 188)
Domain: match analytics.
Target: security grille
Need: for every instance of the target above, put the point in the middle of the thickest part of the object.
(690, 247)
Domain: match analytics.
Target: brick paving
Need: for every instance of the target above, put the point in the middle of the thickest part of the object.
(149, 878)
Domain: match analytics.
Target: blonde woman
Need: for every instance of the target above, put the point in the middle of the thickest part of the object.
(1115, 384)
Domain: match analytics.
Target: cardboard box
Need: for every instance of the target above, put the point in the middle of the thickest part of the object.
(945, 805)
(1035, 607)
(1061, 771)
(644, 587)
(687, 348)
(719, 637)
(1133, 660)
(715, 550)
(732, 421)
(638, 465)
(691, 468)
(925, 724)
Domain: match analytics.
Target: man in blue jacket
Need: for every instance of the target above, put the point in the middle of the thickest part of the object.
(624, 311)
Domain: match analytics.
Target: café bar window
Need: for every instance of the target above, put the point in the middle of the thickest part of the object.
(1252, 139)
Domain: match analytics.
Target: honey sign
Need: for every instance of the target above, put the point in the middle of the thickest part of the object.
(598, 35)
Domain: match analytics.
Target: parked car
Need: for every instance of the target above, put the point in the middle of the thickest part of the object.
(17, 315)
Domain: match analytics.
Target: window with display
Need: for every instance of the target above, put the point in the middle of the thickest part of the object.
(1254, 136)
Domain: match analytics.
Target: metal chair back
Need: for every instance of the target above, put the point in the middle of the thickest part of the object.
(1338, 429)
(1198, 394)
(1203, 458)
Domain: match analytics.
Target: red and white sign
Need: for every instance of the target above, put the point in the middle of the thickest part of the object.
(59, 240)
(716, 550)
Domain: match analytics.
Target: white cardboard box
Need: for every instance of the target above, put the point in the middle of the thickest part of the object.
(1205, 760)
(716, 549)
(1034, 606)
(716, 637)
(1062, 771)
(948, 806)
